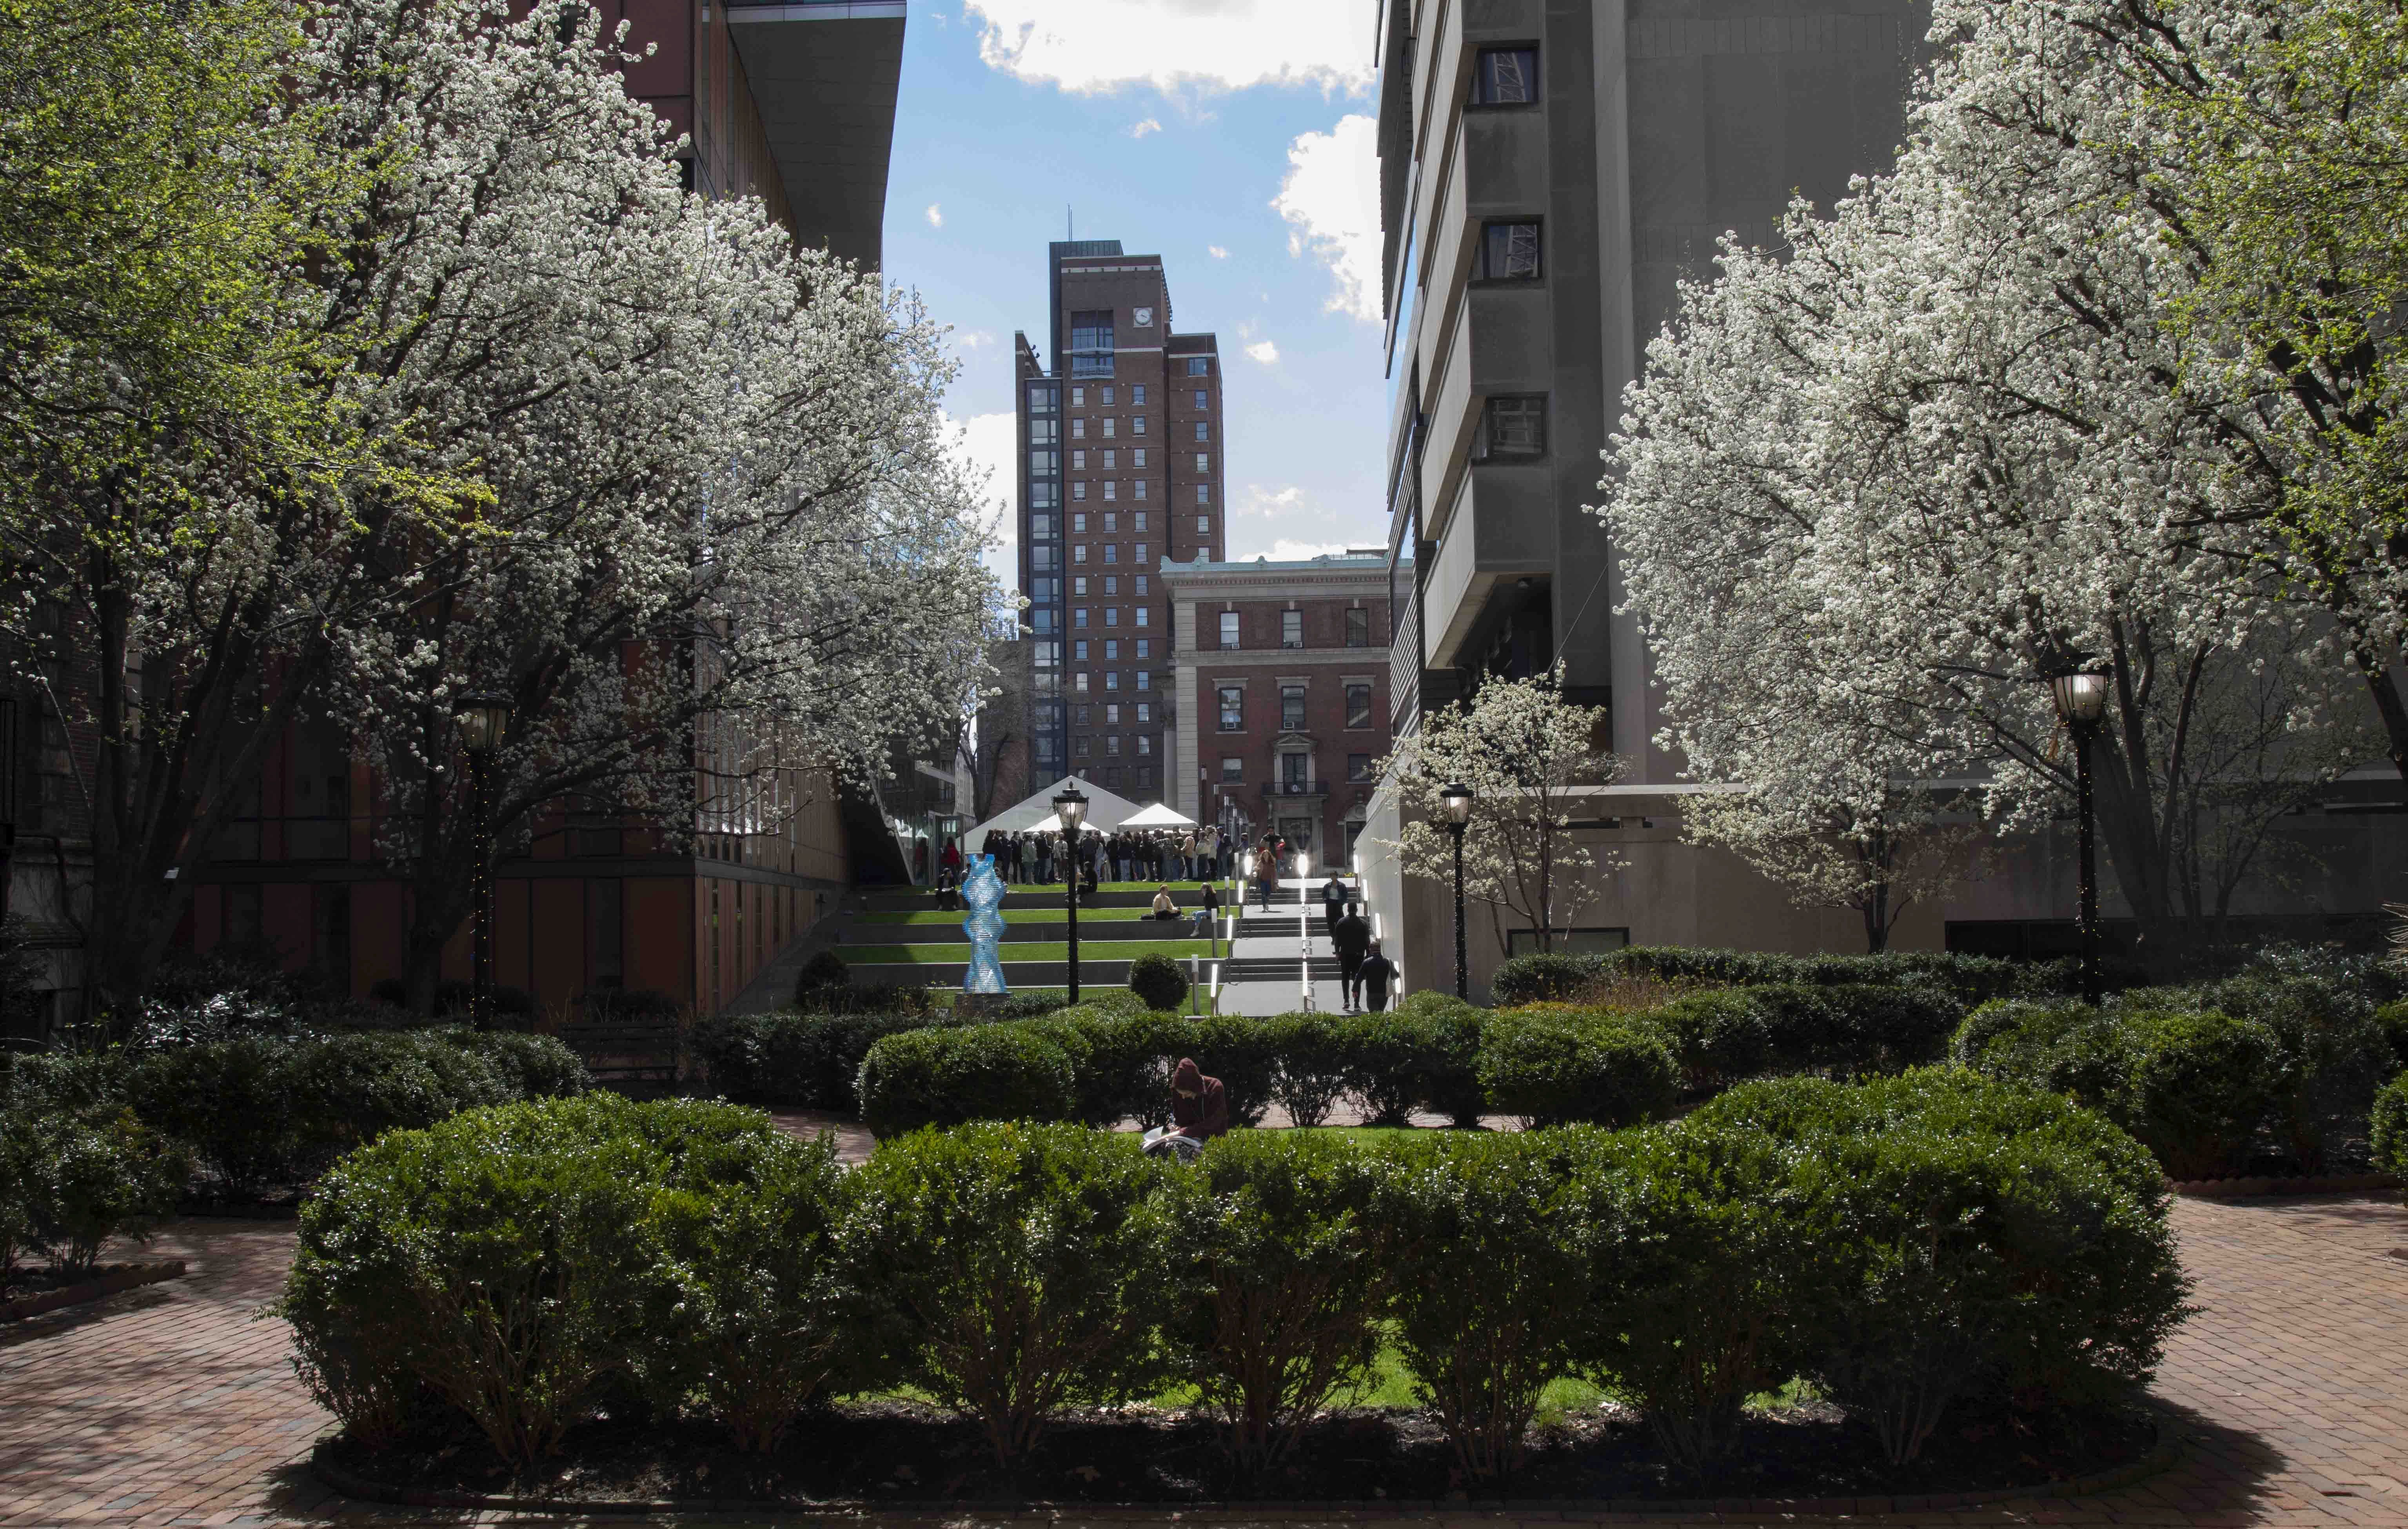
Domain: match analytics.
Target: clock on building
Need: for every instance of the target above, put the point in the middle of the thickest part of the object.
(1143, 318)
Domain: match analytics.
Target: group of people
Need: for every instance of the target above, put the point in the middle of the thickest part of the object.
(1364, 976)
(1036, 858)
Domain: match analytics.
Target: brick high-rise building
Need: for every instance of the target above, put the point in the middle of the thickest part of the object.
(1120, 467)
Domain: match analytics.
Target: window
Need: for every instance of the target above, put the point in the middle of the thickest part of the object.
(1111, 520)
(1137, 425)
(1233, 770)
(1359, 767)
(1078, 429)
(1203, 461)
(1203, 493)
(1296, 771)
(1509, 252)
(1112, 646)
(1140, 584)
(1079, 681)
(1145, 711)
(1137, 459)
(1111, 586)
(1040, 620)
(1108, 459)
(1044, 493)
(1112, 552)
(1041, 526)
(1079, 521)
(1144, 743)
(1079, 745)
(1042, 558)
(1044, 464)
(1111, 488)
(1141, 522)
(1040, 398)
(1144, 644)
(1145, 679)
(1077, 460)
(1079, 619)
(1112, 775)
(1079, 489)
(1144, 618)
(1108, 422)
(1203, 526)
(1203, 400)
(1291, 628)
(1511, 427)
(1111, 679)
(1078, 397)
(1044, 432)
(1079, 645)
(1111, 618)
(1108, 396)
(1359, 704)
(1505, 77)
(1140, 488)
(1136, 395)
(1091, 344)
(1292, 708)
(1082, 714)
(1112, 746)
(1203, 430)
(1358, 627)
(1139, 558)
(1233, 711)
(1228, 628)
(1112, 716)
(1078, 552)
(1198, 366)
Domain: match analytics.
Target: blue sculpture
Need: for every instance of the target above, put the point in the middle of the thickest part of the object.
(983, 894)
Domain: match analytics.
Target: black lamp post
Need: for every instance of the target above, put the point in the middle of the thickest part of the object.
(1072, 808)
(1456, 798)
(2081, 701)
(484, 717)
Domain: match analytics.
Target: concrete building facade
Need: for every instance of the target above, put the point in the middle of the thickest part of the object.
(1281, 691)
(1549, 171)
(1120, 467)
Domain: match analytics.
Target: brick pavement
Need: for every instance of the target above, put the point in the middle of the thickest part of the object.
(172, 1404)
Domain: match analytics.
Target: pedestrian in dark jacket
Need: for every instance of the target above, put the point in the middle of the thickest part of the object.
(1199, 1106)
(1377, 973)
(1333, 901)
(1350, 940)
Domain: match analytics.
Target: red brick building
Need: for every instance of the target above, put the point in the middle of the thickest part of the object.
(1282, 694)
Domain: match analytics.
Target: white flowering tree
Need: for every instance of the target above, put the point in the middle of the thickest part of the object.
(1871, 493)
(728, 556)
(1527, 753)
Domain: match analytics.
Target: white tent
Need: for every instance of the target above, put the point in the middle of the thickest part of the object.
(1105, 812)
(1158, 815)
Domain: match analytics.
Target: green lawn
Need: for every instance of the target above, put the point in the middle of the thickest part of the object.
(1034, 950)
(1015, 915)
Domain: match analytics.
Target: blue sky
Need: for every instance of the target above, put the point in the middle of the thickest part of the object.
(1231, 137)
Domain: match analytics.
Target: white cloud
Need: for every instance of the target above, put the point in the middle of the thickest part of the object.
(1141, 129)
(972, 339)
(1271, 504)
(1331, 201)
(989, 444)
(1286, 551)
(936, 216)
(1264, 352)
(1216, 252)
(1103, 45)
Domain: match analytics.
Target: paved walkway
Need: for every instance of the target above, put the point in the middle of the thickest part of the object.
(174, 1405)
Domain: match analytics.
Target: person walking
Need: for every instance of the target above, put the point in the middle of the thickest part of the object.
(1266, 877)
(1350, 940)
(1378, 971)
(1333, 901)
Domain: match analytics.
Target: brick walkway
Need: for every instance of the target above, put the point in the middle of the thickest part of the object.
(171, 1405)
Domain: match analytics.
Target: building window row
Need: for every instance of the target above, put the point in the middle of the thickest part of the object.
(1358, 626)
(1110, 427)
(1083, 715)
(1137, 396)
(1230, 705)
(1082, 685)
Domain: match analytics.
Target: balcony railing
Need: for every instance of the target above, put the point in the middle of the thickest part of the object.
(1296, 788)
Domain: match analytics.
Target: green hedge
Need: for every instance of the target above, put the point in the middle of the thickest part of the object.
(2388, 1133)
(945, 1078)
(1556, 1067)
(2195, 1087)
(1969, 979)
(1904, 1244)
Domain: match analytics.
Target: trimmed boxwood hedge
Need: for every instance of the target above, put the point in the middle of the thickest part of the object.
(1969, 979)
(946, 1078)
(2387, 1132)
(1559, 1066)
(1904, 1244)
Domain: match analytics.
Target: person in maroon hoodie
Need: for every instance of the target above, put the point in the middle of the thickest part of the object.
(1200, 1111)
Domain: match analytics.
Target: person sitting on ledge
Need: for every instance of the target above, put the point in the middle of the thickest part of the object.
(1164, 905)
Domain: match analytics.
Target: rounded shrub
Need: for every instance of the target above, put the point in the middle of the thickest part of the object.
(2388, 1127)
(237, 1102)
(1244, 1054)
(1718, 1037)
(531, 1066)
(811, 1060)
(1159, 982)
(824, 975)
(1316, 1064)
(1542, 977)
(2199, 1086)
(1483, 1246)
(1449, 1030)
(1121, 1062)
(1278, 1282)
(2392, 1020)
(1594, 1066)
(73, 1178)
(942, 1077)
(1025, 1266)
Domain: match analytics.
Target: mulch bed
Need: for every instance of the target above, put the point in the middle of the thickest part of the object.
(30, 1293)
(900, 1452)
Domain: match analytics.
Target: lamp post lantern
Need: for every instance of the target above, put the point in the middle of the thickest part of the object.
(1071, 807)
(484, 717)
(1456, 798)
(2081, 698)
